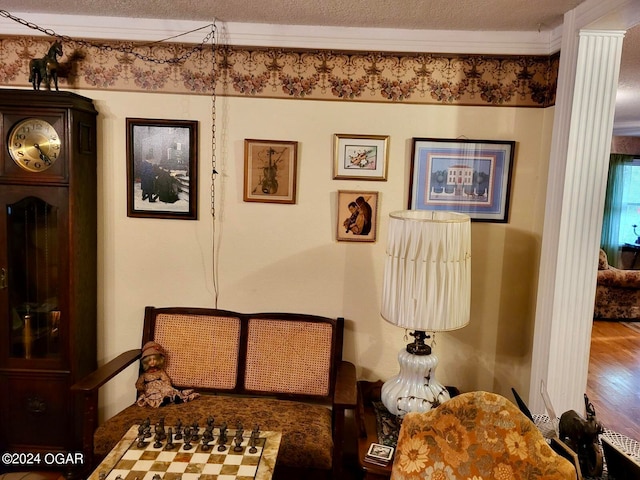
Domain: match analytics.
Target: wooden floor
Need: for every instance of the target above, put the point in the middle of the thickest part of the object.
(613, 383)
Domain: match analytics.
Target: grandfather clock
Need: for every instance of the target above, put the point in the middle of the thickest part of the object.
(47, 266)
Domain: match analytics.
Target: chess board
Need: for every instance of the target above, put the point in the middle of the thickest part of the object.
(131, 461)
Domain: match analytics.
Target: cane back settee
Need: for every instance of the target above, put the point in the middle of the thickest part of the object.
(281, 371)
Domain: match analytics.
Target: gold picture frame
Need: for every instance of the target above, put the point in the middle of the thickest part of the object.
(357, 216)
(360, 157)
(270, 170)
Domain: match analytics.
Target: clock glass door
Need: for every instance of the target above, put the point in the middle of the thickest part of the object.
(33, 269)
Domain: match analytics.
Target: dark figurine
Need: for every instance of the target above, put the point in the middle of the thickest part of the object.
(581, 436)
(46, 68)
(170, 445)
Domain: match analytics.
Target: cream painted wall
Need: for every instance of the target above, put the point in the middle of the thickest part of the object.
(273, 257)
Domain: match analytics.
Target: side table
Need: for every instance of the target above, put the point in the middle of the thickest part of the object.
(367, 431)
(369, 392)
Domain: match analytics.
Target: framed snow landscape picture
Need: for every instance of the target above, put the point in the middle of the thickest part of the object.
(162, 168)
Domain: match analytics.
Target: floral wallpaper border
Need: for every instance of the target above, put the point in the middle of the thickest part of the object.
(419, 78)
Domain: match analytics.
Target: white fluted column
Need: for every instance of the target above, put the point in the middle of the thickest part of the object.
(573, 222)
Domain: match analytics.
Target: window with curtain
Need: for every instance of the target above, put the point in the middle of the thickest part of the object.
(630, 208)
(622, 206)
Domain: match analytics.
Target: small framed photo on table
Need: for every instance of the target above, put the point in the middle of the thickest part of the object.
(465, 176)
(360, 157)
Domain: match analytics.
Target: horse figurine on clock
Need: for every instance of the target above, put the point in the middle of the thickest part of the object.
(46, 68)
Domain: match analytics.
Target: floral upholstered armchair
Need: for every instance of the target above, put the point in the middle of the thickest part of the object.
(617, 292)
(476, 435)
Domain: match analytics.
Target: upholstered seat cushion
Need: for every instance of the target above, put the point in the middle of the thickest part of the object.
(306, 429)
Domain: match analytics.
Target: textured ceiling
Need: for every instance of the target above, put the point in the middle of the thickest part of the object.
(501, 15)
(470, 15)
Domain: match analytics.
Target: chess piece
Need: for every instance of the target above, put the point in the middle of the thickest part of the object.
(222, 439)
(146, 426)
(187, 438)
(195, 436)
(158, 443)
(178, 430)
(141, 442)
(207, 436)
(160, 428)
(208, 433)
(223, 432)
(238, 438)
(253, 440)
(170, 445)
(238, 441)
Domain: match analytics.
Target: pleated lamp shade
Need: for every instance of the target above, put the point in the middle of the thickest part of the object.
(427, 274)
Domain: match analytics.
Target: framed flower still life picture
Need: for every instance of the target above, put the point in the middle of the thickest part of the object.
(360, 157)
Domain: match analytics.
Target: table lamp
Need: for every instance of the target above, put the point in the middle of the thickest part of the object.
(427, 289)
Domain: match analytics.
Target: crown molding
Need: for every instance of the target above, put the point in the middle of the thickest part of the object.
(287, 36)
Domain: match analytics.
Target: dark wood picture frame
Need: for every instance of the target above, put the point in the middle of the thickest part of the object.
(270, 171)
(461, 175)
(162, 168)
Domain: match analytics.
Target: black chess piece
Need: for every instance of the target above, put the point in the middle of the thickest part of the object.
(252, 443)
(178, 435)
(195, 436)
(222, 439)
(223, 432)
(170, 445)
(253, 440)
(141, 443)
(206, 438)
(146, 426)
(208, 433)
(160, 429)
(187, 438)
(238, 437)
(158, 443)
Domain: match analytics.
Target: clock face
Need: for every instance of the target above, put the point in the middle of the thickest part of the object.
(34, 144)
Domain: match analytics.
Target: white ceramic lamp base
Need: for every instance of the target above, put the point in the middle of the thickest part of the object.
(415, 388)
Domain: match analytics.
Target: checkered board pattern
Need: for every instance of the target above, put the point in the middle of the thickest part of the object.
(142, 463)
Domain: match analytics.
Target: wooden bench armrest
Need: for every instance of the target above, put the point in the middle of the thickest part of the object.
(106, 372)
(87, 389)
(345, 397)
(346, 393)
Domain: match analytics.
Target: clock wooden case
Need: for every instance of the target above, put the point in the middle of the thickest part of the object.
(47, 266)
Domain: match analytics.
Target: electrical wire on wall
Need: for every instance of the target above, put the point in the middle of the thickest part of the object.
(214, 172)
(210, 39)
(131, 50)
